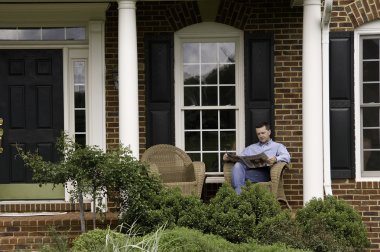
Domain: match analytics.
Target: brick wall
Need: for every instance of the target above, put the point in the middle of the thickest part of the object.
(285, 22)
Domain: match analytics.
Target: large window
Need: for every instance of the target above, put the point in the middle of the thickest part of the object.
(367, 101)
(209, 101)
(208, 88)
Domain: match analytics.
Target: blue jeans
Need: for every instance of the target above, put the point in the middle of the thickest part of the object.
(240, 173)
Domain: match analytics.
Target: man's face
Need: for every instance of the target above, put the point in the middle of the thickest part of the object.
(263, 134)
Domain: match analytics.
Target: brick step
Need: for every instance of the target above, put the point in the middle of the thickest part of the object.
(40, 206)
(29, 233)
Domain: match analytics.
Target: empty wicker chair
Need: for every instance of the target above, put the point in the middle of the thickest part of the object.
(276, 185)
(175, 168)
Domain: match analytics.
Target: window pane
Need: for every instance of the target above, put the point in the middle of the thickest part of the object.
(370, 48)
(191, 74)
(209, 96)
(209, 73)
(371, 139)
(227, 74)
(209, 52)
(8, 34)
(80, 100)
(75, 33)
(370, 92)
(210, 119)
(195, 156)
(227, 119)
(227, 140)
(371, 160)
(210, 141)
(191, 52)
(371, 117)
(29, 34)
(80, 139)
(211, 161)
(192, 119)
(79, 72)
(80, 121)
(53, 34)
(227, 52)
(227, 95)
(192, 141)
(191, 96)
(371, 71)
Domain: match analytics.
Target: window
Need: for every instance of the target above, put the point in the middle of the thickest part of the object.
(367, 93)
(43, 33)
(208, 110)
(79, 72)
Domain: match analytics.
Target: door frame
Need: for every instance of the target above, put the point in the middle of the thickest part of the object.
(91, 16)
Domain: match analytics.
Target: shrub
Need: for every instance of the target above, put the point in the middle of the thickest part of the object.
(332, 225)
(167, 207)
(280, 229)
(95, 241)
(190, 240)
(234, 217)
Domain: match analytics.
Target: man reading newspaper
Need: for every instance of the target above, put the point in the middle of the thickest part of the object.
(274, 151)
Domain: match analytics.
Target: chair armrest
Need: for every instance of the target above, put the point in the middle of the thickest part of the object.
(200, 174)
(227, 169)
(276, 173)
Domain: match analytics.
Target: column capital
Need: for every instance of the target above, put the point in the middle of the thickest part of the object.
(127, 4)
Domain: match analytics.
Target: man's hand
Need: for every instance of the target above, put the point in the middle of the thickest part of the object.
(272, 160)
(226, 157)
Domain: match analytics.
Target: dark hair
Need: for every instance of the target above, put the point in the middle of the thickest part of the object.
(263, 124)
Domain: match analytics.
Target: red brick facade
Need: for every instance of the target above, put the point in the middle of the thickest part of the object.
(285, 22)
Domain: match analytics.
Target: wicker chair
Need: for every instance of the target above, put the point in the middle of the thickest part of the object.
(276, 185)
(175, 168)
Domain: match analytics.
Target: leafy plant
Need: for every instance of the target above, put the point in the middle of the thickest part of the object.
(167, 207)
(93, 171)
(332, 222)
(234, 217)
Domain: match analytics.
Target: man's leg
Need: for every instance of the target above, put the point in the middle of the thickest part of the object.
(238, 176)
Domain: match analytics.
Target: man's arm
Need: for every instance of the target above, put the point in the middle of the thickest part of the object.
(282, 154)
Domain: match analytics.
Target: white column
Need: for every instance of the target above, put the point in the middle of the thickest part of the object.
(312, 101)
(128, 80)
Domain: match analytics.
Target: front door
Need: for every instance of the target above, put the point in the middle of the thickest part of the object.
(31, 108)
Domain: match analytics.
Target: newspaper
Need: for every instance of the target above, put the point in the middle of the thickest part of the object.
(253, 161)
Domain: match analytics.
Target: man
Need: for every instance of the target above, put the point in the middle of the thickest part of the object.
(276, 152)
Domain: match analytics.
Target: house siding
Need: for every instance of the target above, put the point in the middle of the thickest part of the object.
(285, 23)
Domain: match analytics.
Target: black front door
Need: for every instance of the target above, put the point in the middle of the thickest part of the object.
(31, 106)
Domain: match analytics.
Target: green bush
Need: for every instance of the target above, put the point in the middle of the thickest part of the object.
(96, 241)
(332, 225)
(280, 229)
(167, 207)
(189, 240)
(235, 217)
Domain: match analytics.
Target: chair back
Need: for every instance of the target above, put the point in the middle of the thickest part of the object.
(173, 164)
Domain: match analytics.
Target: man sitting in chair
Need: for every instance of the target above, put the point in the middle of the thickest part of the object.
(276, 152)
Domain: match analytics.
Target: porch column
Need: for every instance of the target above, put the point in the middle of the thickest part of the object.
(128, 80)
(312, 101)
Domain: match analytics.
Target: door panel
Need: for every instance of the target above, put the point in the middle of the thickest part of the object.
(31, 105)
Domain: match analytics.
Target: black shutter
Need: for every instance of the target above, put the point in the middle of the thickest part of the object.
(259, 85)
(342, 105)
(159, 77)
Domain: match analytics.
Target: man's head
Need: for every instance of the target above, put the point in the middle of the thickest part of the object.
(263, 132)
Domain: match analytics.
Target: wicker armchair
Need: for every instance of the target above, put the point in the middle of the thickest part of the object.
(276, 185)
(175, 168)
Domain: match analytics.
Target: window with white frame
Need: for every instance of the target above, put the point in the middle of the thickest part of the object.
(79, 83)
(208, 110)
(367, 95)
